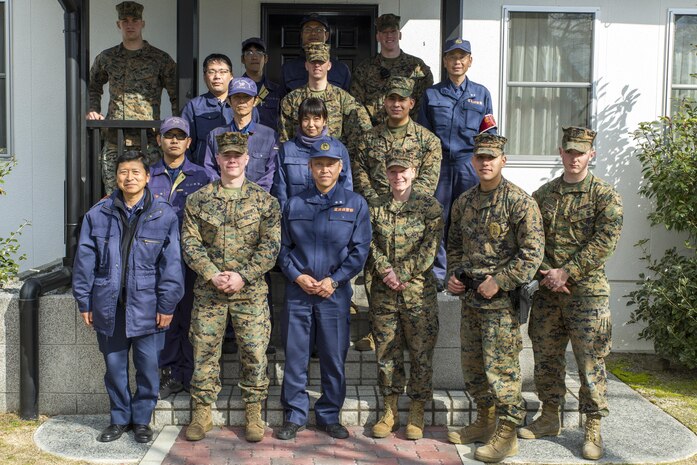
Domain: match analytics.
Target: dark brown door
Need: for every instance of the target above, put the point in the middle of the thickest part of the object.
(352, 32)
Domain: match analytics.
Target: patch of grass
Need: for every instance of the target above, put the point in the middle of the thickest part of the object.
(17, 444)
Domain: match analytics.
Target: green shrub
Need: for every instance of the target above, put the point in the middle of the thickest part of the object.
(666, 296)
(9, 246)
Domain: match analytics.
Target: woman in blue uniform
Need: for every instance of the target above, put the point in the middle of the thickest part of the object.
(324, 243)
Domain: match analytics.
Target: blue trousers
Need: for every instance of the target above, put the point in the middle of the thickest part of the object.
(178, 353)
(456, 176)
(309, 320)
(126, 407)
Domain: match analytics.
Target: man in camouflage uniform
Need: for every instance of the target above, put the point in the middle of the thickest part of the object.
(407, 227)
(230, 238)
(136, 73)
(398, 133)
(582, 218)
(495, 245)
(347, 120)
(371, 77)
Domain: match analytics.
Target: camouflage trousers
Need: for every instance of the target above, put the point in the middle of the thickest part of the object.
(396, 326)
(252, 332)
(557, 319)
(490, 345)
(109, 155)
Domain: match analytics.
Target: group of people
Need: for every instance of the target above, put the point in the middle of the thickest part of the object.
(326, 176)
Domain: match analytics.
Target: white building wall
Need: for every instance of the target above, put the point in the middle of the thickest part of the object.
(37, 76)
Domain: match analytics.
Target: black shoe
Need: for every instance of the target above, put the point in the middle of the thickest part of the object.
(337, 431)
(112, 432)
(142, 433)
(229, 346)
(270, 349)
(289, 430)
(169, 386)
(440, 286)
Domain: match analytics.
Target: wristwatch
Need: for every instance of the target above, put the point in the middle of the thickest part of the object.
(334, 283)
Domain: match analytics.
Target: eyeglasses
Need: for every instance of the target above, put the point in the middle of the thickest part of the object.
(213, 72)
(175, 135)
(254, 53)
(314, 30)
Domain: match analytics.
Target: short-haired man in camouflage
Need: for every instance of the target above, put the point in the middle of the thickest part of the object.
(371, 77)
(230, 238)
(495, 245)
(136, 73)
(407, 227)
(582, 218)
(347, 119)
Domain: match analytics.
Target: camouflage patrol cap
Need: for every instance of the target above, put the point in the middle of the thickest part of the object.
(232, 142)
(132, 9)
(399, 157)
(489, 144)
(577, 138)
(326, 147)
(317, 51)
(401, 86)
(387, 21)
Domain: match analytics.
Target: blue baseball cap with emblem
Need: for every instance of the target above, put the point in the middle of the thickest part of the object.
(326, 147)
(242, 85)
(174, 122)
(457, 44)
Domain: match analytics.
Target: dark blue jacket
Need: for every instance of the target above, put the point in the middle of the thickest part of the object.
(325, 237)
(154, 282)
(261, 146)
(204, 113)
(270, 95)
(293, 175)
(295, 75)
(455, 121)
(191, 179)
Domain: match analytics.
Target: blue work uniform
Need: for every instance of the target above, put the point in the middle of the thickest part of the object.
(454, 114)
(294, 74)
(127, 270)
(293, 175)
(270, 95)
(204, 113)
(262, 148)
(322, 235)
(174, 186)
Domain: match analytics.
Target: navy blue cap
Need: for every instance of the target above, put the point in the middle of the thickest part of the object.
(315, 17)
(256, 41)
(242, 85)
(174, 122)
(326, 147)
(457, 44)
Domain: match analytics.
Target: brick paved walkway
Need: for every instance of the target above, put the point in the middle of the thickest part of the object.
(226, 446)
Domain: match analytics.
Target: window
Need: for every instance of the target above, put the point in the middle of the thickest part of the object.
(682, 60)
(4, 110)
(548, 69)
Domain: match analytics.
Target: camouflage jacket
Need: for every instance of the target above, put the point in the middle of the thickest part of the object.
(368, 162)
(369, 82)
(347, 119)
(241, 234)
(582, 224)
(405, 239)
(136, 79)
(499, 234)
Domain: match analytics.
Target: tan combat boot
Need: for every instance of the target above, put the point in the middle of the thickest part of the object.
(365, 344)
(415, 425)
(547, 424)
(201, 422)
(390, 418)
(504, 443)
(254, 425)
(479, 431)
(592, 441)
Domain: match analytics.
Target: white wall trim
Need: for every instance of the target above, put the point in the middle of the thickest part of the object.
(9, 88)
